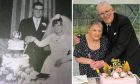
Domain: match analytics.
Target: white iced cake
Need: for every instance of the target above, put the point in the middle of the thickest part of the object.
(112, 80)
(16, 69)
(15, 63)
(15, 44)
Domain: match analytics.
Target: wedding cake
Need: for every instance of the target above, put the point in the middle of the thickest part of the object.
(15, 44)
(118, 73)
(15, 67)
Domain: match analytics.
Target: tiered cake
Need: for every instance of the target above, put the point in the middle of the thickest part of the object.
(15, 68)
(15, 44)
(118, 73)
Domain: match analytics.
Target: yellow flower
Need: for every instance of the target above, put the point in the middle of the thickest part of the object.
(97, 70)
(126, 67)
(107, 69)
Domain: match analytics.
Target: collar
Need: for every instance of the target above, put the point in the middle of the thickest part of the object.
(34, 18)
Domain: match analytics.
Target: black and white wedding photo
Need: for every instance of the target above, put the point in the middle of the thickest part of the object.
(35, 42)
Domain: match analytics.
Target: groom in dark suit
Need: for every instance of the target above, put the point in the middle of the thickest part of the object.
(35, 26)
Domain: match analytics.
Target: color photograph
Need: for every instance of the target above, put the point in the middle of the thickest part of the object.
(106, 37)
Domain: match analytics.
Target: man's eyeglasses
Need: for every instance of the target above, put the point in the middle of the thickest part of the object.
(38, 9)
(105, 13)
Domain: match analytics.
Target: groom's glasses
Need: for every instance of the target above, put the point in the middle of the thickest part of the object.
(36, 9)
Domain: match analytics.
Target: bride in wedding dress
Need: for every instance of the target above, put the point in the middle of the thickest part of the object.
(58, 37)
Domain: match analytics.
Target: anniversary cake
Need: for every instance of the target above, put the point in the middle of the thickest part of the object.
(118, 73)
(15, 67)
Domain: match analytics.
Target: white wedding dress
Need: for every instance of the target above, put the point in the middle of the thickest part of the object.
(60, 45)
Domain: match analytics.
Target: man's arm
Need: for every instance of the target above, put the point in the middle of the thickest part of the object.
(125, 34)
(23, 30)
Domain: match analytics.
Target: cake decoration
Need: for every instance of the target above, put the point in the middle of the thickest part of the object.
(15, 67)
(118, 72)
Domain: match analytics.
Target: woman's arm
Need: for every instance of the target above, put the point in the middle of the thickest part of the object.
(68, 47)
(43, 42)
(80, 54)
(83, 60)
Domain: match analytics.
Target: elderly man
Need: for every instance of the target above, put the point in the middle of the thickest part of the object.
(121, 34)
(123, 40)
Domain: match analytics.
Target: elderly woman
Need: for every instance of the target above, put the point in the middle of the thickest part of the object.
(92, 47)
(58, 64)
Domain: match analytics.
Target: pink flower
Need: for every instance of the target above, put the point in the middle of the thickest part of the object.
(119, 70)
(115, 75)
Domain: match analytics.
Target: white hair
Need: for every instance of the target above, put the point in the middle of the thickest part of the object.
(95, 22)
(103, 3)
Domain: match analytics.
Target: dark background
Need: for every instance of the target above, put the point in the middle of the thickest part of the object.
(5, 18)
(64, 7)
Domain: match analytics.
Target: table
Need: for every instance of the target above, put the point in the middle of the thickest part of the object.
(138, 79)
(96, 80)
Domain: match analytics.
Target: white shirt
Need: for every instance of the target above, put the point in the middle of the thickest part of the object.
(36, 22)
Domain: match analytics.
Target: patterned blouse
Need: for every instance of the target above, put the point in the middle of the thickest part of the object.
(82, 50)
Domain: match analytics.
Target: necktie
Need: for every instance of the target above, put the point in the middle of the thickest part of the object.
(108, 28)
(36, 23)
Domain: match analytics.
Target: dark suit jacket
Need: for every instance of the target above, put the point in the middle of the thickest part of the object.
(124, 43)
(27, 27)
(37, 55)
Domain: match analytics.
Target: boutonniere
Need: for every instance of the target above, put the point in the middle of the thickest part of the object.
(115, 33)
(43, 31)
(44, 24)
